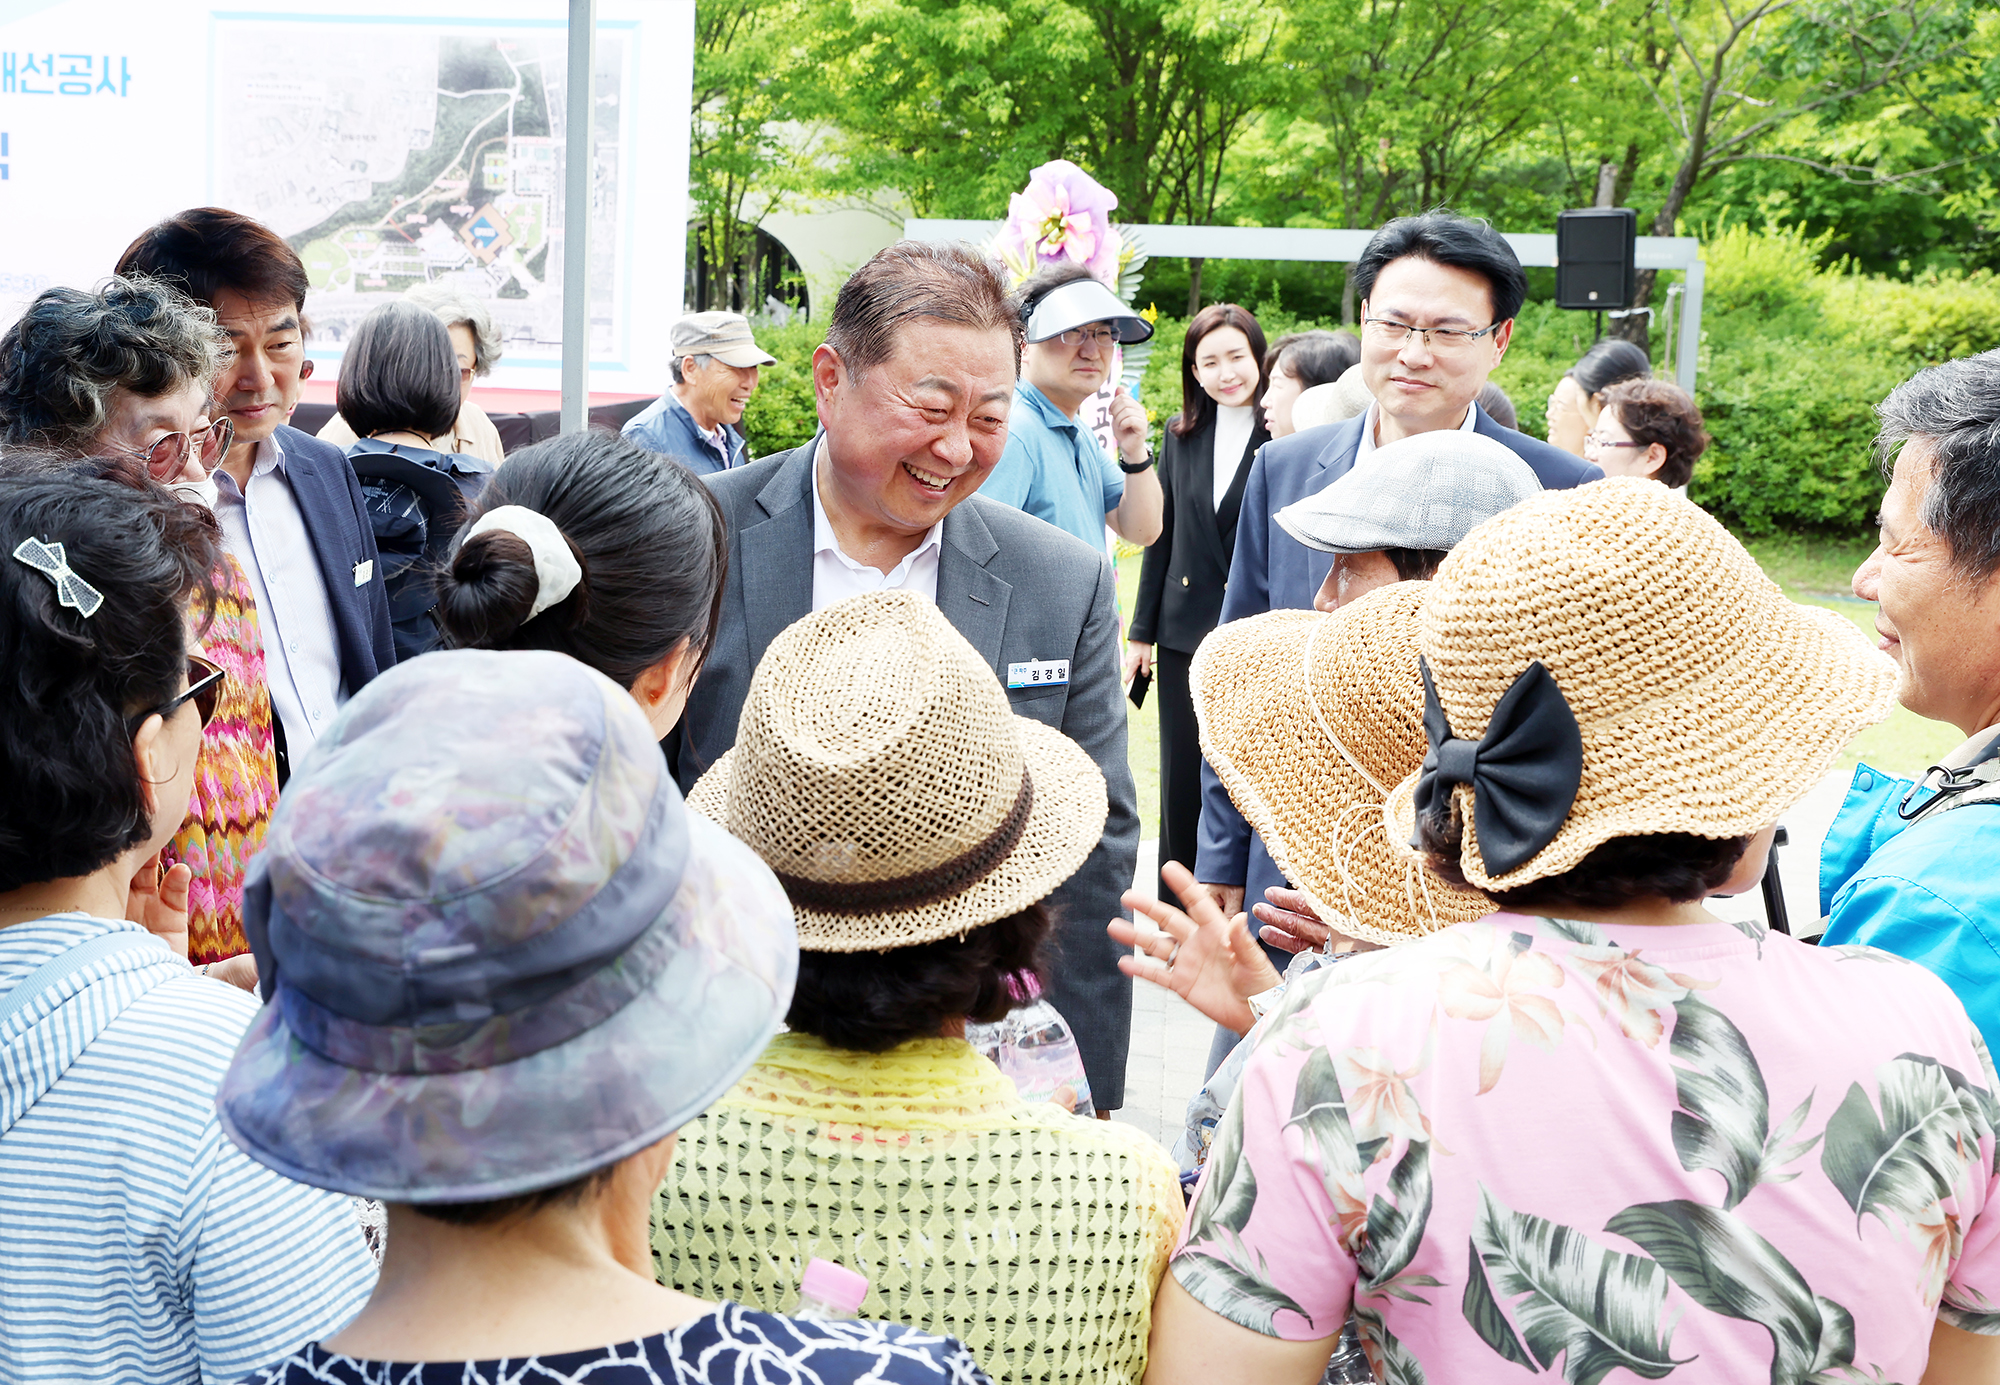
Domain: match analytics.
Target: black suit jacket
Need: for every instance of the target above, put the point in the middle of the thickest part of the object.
(1184, 572)
(336, 519)
(1017, 589)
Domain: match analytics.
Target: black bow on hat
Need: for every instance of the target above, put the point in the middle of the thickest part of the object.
(1524, 771)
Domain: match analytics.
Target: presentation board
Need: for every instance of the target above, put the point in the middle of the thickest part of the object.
(392, 143)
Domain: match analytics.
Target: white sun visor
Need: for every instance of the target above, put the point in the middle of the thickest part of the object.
(1080, 303)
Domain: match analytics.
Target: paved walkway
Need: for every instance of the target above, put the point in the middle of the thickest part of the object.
(1170, 1038)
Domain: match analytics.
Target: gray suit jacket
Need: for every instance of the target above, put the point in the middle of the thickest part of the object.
(1018, 589)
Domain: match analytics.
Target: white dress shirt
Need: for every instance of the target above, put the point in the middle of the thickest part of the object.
(1233, 423)
(1374, 417)
(264, 531)
(837, 576)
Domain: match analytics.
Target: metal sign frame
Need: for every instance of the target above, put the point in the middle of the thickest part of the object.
(1344, 247)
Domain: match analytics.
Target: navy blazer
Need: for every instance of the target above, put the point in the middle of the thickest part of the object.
(336, 519)
(1272, 571)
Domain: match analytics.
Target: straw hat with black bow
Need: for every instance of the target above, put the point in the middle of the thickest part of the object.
(1608, 662)
(1309, 719)
(881, 773)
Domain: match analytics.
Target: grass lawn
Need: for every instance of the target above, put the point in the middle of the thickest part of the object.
(1812, 571)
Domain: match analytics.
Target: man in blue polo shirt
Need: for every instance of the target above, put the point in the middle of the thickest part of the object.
(1053, 467)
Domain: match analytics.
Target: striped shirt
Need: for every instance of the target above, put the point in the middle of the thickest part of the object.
(137, 1243)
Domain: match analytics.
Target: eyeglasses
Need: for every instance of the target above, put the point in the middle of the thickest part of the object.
(1600, 441)
(204, 689)
(1103, 336)
(1443, 341)
(170, 454)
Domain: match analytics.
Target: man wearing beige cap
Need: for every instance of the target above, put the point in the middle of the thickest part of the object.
(715, 373)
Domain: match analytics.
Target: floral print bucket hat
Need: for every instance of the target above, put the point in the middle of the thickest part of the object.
(497, 952)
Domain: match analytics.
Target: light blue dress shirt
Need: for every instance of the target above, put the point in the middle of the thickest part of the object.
(1054, 469)
(264, 531)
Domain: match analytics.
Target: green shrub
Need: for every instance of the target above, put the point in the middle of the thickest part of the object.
(782, 414)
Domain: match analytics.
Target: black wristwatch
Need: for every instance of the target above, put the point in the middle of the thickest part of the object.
(1134, 468)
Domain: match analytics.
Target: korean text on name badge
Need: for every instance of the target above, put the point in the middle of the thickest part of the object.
(1038, 673)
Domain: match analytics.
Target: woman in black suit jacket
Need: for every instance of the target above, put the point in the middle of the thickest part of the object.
(1181, 579)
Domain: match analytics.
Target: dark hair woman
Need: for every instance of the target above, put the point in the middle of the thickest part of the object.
(116, 382)
(595, 547)
(398, 390)
(1579, 396)
(134, 1234)
(1295, 363)
(1648, 428)
(916, 823)
(1204, 465)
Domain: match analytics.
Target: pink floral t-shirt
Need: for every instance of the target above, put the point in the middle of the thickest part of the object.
(1610, 1153)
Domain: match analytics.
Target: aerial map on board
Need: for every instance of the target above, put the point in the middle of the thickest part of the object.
(399, 154)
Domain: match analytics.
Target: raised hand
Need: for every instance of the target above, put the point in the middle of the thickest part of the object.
(1203, 956)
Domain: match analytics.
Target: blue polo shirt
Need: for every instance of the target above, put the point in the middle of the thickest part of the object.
(1054, 469)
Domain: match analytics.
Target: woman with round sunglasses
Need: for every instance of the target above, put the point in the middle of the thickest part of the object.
(139, 1243)
(121, 375)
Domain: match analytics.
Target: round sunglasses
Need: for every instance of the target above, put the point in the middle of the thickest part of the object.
(170, 454)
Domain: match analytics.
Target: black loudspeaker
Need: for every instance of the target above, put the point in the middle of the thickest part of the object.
(1594, 250)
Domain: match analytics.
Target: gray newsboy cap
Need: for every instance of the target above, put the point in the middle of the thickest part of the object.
(1428, 491)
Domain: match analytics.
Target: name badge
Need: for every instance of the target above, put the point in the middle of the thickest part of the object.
(363, 571)
(1038, 673)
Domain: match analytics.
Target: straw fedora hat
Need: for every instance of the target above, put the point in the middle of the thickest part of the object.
(1309, 719)
(1702, 700)
(881, 773)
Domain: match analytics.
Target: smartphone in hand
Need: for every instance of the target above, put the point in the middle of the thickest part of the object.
(1141, 681)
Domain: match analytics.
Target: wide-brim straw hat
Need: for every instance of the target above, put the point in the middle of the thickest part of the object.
(880, 771)
(1309, 719)
(1707, 703)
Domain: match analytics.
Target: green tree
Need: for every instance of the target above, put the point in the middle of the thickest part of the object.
(749, 151)
(953, 102)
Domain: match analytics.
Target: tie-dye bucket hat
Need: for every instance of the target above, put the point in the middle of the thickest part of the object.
(496, 950)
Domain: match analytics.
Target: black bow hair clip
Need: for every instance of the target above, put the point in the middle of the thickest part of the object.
(1524, 772)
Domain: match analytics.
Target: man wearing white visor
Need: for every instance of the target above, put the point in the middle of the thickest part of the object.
(1053, 467)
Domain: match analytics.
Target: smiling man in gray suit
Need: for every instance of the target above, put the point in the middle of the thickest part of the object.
(913, 386)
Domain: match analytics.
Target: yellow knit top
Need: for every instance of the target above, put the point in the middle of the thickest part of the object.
(1033, 1236)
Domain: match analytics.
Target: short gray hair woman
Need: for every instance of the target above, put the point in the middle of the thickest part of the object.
(66, 359)
(475, 340)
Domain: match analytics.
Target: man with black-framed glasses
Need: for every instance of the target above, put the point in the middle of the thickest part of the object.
(1439, 294)
(1053, 467)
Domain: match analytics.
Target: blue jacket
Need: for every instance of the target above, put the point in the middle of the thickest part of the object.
(1272, 571)
(1926, 890)
(336, 518)
(666, 426)
(417, 499)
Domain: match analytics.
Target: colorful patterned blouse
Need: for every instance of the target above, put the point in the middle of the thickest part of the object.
(1702, 1151)
(235, 775)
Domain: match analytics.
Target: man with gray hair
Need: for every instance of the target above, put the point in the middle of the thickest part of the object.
(715, 373)
(913, 386)
(1908, 867)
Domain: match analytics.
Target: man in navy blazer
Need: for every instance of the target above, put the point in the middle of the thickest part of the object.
(1439, 294)
(292, 512)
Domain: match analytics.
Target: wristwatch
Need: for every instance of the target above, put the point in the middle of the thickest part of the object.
(1134, 468)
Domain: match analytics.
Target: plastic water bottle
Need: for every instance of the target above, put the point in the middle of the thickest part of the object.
(830, 1292)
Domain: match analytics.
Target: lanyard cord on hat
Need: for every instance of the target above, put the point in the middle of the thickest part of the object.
(1320, 717)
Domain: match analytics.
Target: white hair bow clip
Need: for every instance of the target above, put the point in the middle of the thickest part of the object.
(71, 590)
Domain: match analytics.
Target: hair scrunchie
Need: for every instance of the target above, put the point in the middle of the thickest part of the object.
(557, 571)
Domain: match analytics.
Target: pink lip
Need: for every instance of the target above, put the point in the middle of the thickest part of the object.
(1410, 384)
